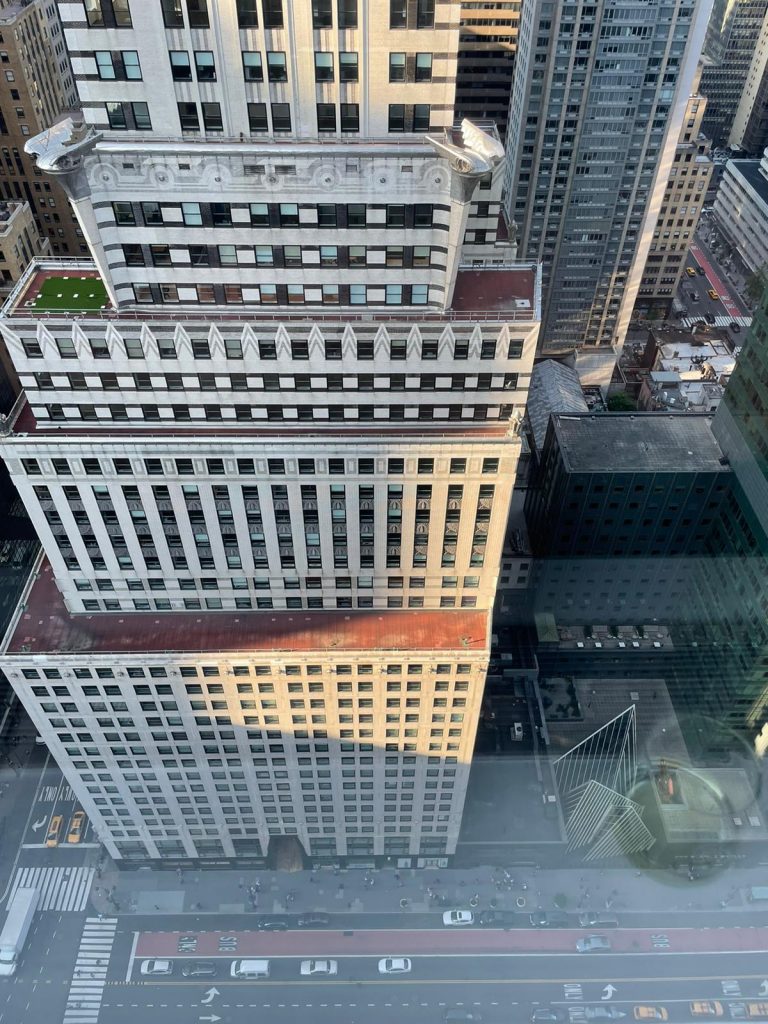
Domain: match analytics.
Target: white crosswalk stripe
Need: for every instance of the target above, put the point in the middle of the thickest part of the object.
(720, 321)
(87, 987)
(64, 888)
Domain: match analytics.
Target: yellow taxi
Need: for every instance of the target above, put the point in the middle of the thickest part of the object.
(690, 272)
(54, 830)
(647, 1012)
(713, 294)
(75, 831)
(706, 1008)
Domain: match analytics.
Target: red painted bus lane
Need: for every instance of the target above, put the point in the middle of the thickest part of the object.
(442, 943)
(714, 281)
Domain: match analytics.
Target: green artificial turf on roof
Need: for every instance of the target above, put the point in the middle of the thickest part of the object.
(71, 294)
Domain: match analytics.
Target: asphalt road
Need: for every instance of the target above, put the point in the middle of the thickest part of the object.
(503, 989)
(727, 305)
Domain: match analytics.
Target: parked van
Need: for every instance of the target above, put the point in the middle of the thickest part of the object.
(249, 969)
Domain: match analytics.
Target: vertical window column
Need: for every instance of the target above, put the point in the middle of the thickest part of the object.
(452, 521)
(311, 526)
(394, 525)
(482, 522)
(170, 526)
(339, 526)
(255, 527)
(283, 524)
(366, 507)
(421, 524)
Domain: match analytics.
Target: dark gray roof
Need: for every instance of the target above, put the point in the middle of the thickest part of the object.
(554, 388)
(750, 171)
(639, 443)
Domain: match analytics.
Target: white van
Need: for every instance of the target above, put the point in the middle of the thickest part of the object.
(249, 969)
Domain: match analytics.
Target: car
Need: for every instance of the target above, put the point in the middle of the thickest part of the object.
(395, 965)
(549, 919)
(459, 1016)
(314, 921)
(597, 1012)
(310, 968)
(458, 917)
(546, 1015)
(701, 271)
(75, 831)
(497, 918)
(706, 1008)
(713, 295)
(749, 1010)
(590, 918)
(272, 924)
(694, 296)
(249, 969)
(54, 830)
(736, 328)
(593, 944)
(199, 969)
(647, 1012)
(156, 967)
(690, 272)
(710, 318)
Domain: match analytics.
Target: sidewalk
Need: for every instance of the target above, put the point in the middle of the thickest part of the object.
(356, 891)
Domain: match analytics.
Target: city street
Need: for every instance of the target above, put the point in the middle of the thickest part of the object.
(490, 985)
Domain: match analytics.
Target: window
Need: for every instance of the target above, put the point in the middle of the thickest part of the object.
(398, 10)
(419, 294)
(348, 67)
(252, 68)
(191, 214)
(259, 215)
(221, 214)
(289, 215)
(180, 66)
(422, 215)
(257, 117)
(395, 216)
(273, 13)
(172, 14)
(322, 15)
(323, 66)
(188, 117)
(197, 13)
(212, 117)
(277, 69)
(397, 67)
(281, 117)
(421, 112)
(247, 14)
(326, 117)
(423, 67)
(123, 213)
(347, 13)
(151, 213)
(356, 215)
(205, 66)
(108, 13)
(397, 117)
(425, 13)
(350, 117)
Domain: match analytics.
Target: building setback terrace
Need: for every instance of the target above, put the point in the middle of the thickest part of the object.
(46, 627)
(66, 288)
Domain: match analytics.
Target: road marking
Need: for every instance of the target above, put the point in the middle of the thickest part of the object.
(132, 957)
(62, 888)
(87, 984)
(26, 824)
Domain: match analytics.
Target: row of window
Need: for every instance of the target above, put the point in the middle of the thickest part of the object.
(267, 350)
(273, 382)
(277, 414)
(266, 603)
(277, 215)
(137, 255)
(146, 293)
(215, 671)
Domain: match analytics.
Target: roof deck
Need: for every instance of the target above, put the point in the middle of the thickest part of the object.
(73, 288)
(46, 627)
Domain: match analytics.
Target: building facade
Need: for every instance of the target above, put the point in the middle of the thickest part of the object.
(749, 131)
(741, 210)
(733, 40)
(683, 201)
(297, 463)
(598, 101)
(20, 243)
(36, 90)
(486, 59)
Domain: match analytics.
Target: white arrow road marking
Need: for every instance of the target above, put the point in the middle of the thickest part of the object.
(608, 992)
(209, 996)
(39, 824)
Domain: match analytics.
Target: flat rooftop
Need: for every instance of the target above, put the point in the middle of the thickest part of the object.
(639, 443)
(46, 627)
(484, 293)
(751, 173)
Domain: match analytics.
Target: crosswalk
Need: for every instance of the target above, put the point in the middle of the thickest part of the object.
(720, 321)
(65, 888)
(87, 987)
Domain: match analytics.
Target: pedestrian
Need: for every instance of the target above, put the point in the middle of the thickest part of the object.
(397, 876)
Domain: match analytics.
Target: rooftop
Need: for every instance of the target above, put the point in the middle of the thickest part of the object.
(554, 388)
(639, 443)
(46, 627)
(62, 287)
(750, 171)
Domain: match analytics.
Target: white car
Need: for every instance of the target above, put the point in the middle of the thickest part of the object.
(157, 967)
(458, 917)
(327, 967)
(395, 965)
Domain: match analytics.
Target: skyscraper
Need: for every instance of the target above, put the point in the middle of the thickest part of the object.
(272, 456)
(598, 100)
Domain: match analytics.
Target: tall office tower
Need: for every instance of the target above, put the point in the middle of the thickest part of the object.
(272, 457)
(749, 130)
(486, 59)
(732, 39)
(680, 211)
(36, 90)
(598, 100)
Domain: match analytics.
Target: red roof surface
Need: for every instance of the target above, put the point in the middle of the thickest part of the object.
(487, 290)
(46, 627)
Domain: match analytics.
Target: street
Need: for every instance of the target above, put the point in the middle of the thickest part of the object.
(693, 292)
